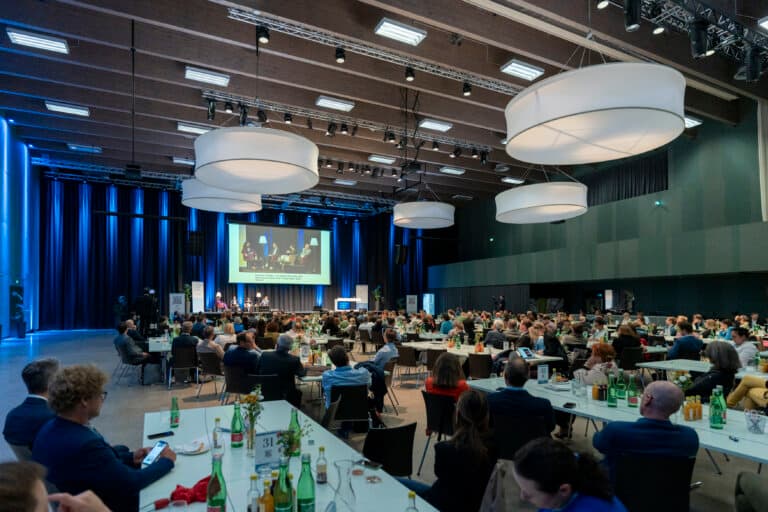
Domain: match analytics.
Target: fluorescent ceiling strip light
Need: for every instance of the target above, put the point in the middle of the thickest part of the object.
(347, 183)
(692, 122)
(334, 103)
(452, 170)
(522, 70)
(381, 159)
(43, 42)
(66, 108)
(183, 161)
(400, 32)
(433, 124)
(763, 23)
(84, 149)
(192, 128)
(461, 197)
(512, 181)
(206, 76)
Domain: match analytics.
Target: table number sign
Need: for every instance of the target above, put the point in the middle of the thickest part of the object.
(267, 448)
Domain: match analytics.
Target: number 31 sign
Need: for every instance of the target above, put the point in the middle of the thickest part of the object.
(267, 448)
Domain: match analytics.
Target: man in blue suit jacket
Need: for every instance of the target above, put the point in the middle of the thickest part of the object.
(653, 434)
(78, 458)
(686, 346)
(24, 421)
(515, 401)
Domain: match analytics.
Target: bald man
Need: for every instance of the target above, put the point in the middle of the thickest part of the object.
(653, 434)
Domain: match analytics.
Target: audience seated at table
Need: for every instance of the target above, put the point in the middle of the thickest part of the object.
(198, 326)
(447, 377)
(653, 433)
(725, 364)
(127, 347)
(208, 343)
(388, 351)
(515, 401)
(134, 333)
(446, 325)
(526, 337)
(244, 355)
(343, 374)
(726, 326)
(272, 330)
(186, 338)
(331, 326)
(552, 477)
(553, 348)
(495, 337)
(599, 364)
(78, 458)
(753, 390)
(22, 489)
(463, 463)
(627, 338)
(686, 346)
(227, 336)
(286, 366)
(24, 421)
(745, 348)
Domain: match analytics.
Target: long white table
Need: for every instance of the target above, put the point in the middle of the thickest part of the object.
(388, 494)
(679, 365)
(747, 445)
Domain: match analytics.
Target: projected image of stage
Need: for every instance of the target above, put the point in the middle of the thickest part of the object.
(269, 254)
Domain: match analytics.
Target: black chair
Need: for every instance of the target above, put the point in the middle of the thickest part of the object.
(406, 358)
(392, 448)
(440, 412)
(377, 338)
(411, 336)
(333, 343)
(639, 483)
(236, 381)
(265, 343)
(389, 370)
(432, 355)
(354, 403)
(657, 341)
(270, 386)
(125, 365)
(365, 338)
(210, 365)
(630, 356)
(510, 433)
(184, 358)
(480, 366)
(330, 414)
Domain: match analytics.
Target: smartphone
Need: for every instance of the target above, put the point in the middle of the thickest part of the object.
(569, 405)
(525, 353)
(369, 463)
(160, 434)
(154, 453)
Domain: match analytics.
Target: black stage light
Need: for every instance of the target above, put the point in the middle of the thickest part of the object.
(340, 169)
(262, 116)
(752, 64)
(456, 152)
(354, 131)
(435, 146)
(391, 138)
(341, 55)
(466, 90)
(410, 76)
(228, 108)
(243, 115)
(483, 157)
(632, 15)
(475, 154)
(697, 31)
(331, 130)
(211, 109)
(344, 129)
(262, 33)
(288, 118)
(309, 123)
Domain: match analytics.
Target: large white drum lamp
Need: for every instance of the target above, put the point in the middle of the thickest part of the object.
(423, 215)
(196, 194)
(541, 202)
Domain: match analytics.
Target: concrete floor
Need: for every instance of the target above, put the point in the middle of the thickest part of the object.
(122, 415)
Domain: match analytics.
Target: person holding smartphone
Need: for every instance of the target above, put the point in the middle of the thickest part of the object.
(78, 458)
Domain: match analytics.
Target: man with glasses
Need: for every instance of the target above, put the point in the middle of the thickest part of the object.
(78, 458)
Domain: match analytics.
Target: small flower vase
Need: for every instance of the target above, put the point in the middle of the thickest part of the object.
(250, 435)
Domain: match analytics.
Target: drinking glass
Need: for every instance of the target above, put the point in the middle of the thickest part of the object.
(344, 494)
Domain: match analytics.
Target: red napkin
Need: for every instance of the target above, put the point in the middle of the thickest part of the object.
(198, 492)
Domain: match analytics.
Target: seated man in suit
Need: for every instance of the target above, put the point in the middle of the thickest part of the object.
(343, 375)
(23, 422)
(134, 334)
(129, 350)
(78, 458)
(495, 337)
(653, 434)
(286, 366)
(186, 338)
(515, 401)
(388, 351)
(245, 355)
(687, 346)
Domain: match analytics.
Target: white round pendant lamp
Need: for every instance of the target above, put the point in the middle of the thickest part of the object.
(595, 114)
(423, 215)
(541, 202)
(258, 160)
(196, 194)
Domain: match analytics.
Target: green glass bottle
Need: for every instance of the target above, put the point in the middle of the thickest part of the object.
(283, 495)
(305, 490)
(621, 386)
(716, 410)
(632, 399)
(236, 430)
(723, 404)
(174, 412)
(612, 399)
(216, 496)
(295, 432)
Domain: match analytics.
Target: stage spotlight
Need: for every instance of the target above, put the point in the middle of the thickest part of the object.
(455, 153)
(483, 157)
(341, 55)
(262, 34)
(262, 116)
(435, 146)
(632, 15)
(309, 123)
(475, 154)
(697, 31)
(331, 130)
(344, 129)
(394, 173)
(211, 109)
(328, 164)
(410, 76)
(243, 115)
(354, 131)
(602, 4)
(401, 177)
(658, 29)
(288, 118)
(391, 138)
(752, 63)
(403, 143)
(351, 167)
(466, 90)
(228, 108)
(340, 169)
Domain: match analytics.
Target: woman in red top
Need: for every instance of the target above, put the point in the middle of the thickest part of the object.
(447, 377)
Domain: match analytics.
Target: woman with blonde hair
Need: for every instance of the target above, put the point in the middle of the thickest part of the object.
(228, 336)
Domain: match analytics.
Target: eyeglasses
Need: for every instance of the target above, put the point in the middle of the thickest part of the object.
(103, 395)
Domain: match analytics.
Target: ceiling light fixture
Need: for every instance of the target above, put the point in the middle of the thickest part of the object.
(81, 148)
(410, 76)
(331, 130)
(346, 183)
(262, 116)
(334, 103)
(381, 159)
(328, 164)
(211, 109)
(632, 15)
(183, 161)
(351, 167)
(39, 41)
(262, 34)
(658, 30)
(198, 195)
(195, 129)
(423, 215)
(475, 154)
(400, 32)
(206, 76)
(341, 55)
(287, 118)
(466, 89)
(454, 171)
(697, 31)
(692, 122)
(763, 23)
(340, 168)
(228, 107)
(67, 108)
(522, 70)
(512, 181)
(435, 146)
(602, 4)
(596, 113)
(455, 153)
(433, 124)
(344, 129)
(394, 174)
(391, 138)
(541, 202)
(243, 115)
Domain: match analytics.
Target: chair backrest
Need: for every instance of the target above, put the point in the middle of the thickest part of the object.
(377, 337)
(391, 447)
(354, 403)
(270, 386)
(510, 433)
(630, 356)
(210, 363)
(657, 341)
(184, 357)
(330, 414)
(389, 369)
(432, 355)
(265, 343)
(480, 366)
(365, 335)
(23, 453)
(237, 380)
(411, 336)
(333, 343)
(406, 356)
(636, 474)
(440, 412)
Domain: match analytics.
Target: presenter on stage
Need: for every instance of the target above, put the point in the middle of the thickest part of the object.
(265, 301)
(220, 304)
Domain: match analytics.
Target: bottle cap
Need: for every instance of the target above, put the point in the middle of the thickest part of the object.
(217, 419)
(305, 457)
(322, 448)
(267, 484)
(411, 494)
(254, 477)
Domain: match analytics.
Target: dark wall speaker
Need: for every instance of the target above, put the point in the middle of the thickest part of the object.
(401, 254)
(195, 243)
